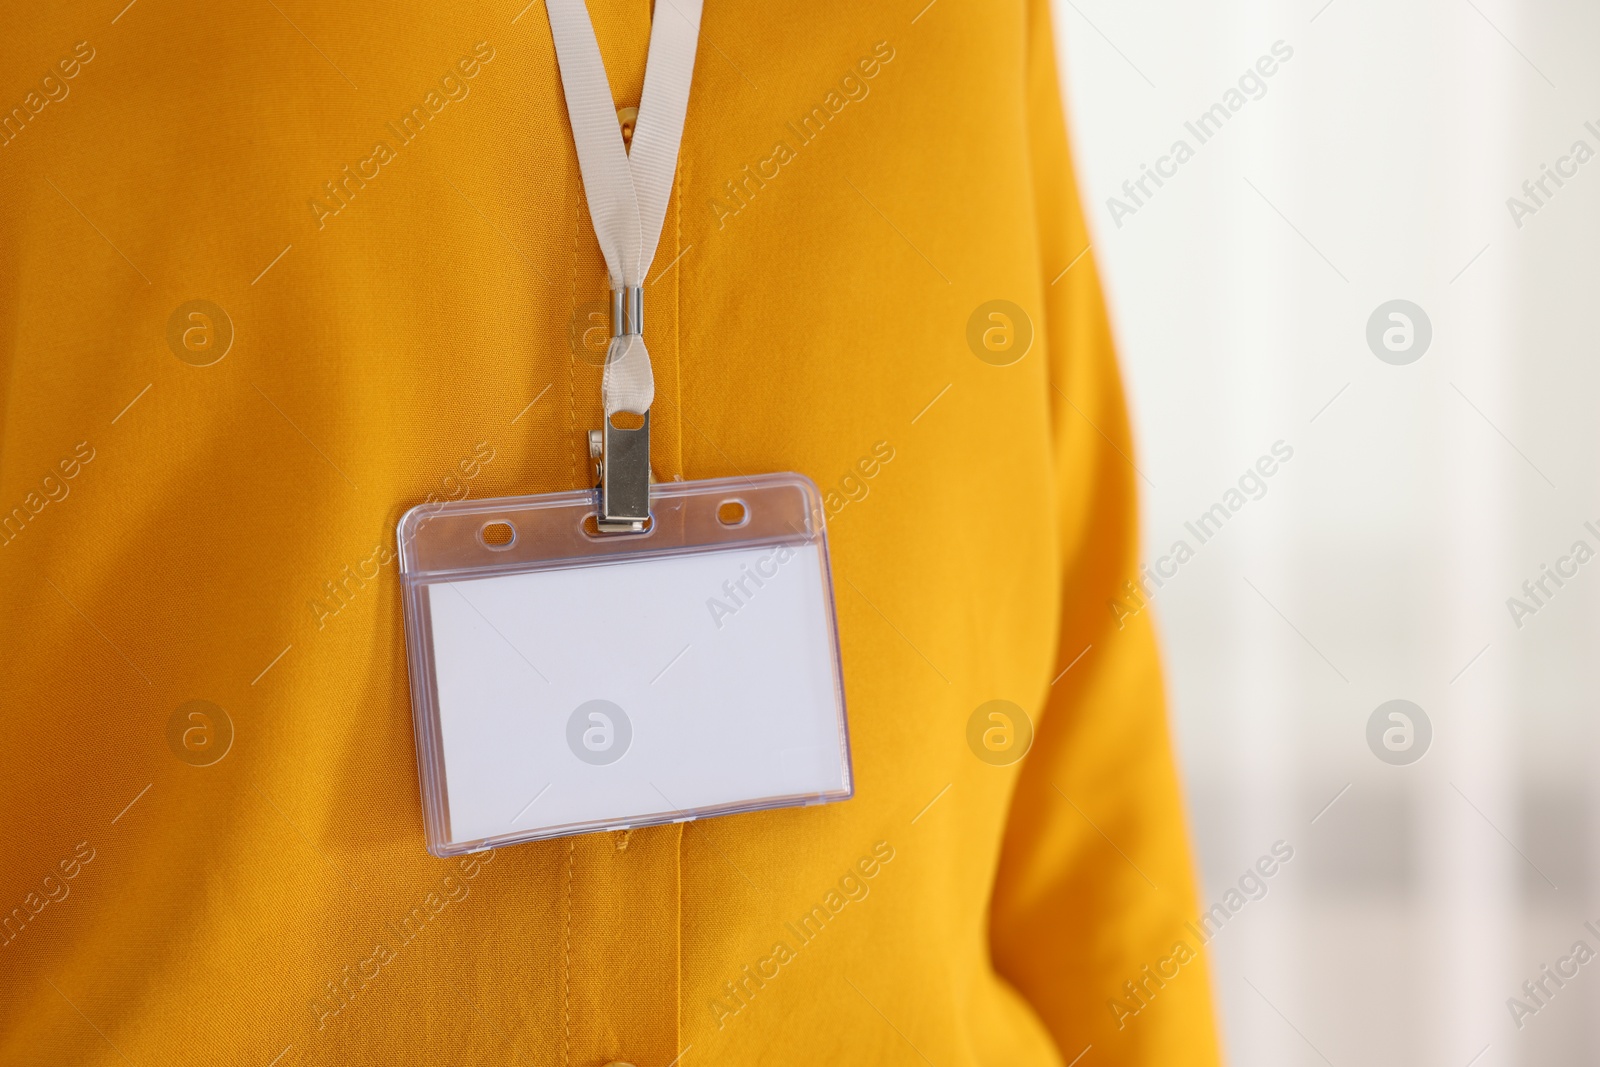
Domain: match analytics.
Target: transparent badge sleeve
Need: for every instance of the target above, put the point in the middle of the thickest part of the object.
(565, 681)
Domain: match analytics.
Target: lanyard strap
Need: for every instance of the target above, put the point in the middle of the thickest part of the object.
(627, 191)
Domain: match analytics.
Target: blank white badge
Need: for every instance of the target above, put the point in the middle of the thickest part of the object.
(566, 681)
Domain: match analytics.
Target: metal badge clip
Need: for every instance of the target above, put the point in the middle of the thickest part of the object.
(622, 456)
(622, 459)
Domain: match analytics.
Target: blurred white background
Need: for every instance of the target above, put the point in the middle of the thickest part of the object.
(1376, 166)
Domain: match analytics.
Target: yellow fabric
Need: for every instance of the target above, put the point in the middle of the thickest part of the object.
(408, 322)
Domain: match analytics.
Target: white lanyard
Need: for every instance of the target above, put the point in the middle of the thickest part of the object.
(627, 191)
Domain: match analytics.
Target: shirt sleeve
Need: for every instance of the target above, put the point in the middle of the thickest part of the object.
(1095, 887)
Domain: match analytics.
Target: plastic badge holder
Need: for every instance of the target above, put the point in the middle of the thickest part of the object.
(565, 681)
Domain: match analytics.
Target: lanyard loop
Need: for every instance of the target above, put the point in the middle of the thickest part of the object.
(627, 191)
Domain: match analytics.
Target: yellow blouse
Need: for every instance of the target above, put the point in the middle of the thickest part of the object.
(273, 272)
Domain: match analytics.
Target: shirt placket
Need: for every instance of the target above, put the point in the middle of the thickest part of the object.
(620, 948)
(621, 954)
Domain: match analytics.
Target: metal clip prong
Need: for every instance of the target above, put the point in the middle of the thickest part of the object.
(623, 457)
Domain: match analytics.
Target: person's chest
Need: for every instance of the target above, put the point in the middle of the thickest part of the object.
(291, 272)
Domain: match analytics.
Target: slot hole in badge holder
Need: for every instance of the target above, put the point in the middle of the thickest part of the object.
(733, 513)
(591, 529)
(498, 536)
